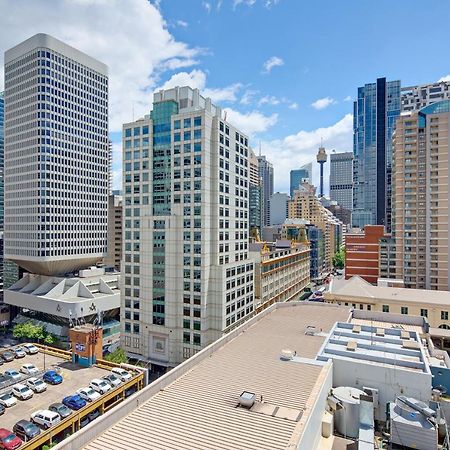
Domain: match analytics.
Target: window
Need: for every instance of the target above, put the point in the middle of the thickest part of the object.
(386, 308)
(137, 131)
(424, 312)
(197, 121)
(444, 315)
(128, 132)
(187, 123)
(197, 340)
(177, 137)
(145, 129)
(404, 310)
(197, 134)
(187, 135)
(177, 124)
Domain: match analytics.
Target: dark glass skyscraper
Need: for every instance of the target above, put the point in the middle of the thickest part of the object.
(375, 112)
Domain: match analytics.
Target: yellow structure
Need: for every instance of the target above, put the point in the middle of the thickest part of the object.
(305, 205)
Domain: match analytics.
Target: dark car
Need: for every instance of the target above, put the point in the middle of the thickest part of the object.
(93, 414)
(74, 402)
(26, 430)
(52, 377)
(7, 356)
(2, 410)
(84, 421)
(9, 440)
(61, 409)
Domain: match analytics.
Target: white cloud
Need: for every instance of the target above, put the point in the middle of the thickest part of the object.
(197, 79)
(348, 98)
(323, 103)
(269, 100)
(300, 148)
(269, 3)
(293, 105)
(207, 6)
(131, 38)
(182, 23)
(271, 63)
(248, 96)
(243, 2)
(251, 123)
(446, 78)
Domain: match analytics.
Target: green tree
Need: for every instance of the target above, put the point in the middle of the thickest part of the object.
(49, 339)
(339, 259)
(29, 331)
(118, 356)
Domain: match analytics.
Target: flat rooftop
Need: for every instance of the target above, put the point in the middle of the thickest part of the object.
(75, 377)
(393, 347)
(199, 409)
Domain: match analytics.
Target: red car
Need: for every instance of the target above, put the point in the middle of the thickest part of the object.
(8, 440)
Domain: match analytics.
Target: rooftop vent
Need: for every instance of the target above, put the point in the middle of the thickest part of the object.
(352, 346)
(356, 328)
(380, 332)
(287, 355)
(311, 330)
(404, 335)
(412, 345)
(247, 399)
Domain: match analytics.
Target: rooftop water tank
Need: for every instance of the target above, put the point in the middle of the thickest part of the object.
(346, 418)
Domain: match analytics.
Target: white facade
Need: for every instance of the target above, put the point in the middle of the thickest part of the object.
(278, 208)
(416, 97)
(56, 156)
(341, 179)
(186, 268)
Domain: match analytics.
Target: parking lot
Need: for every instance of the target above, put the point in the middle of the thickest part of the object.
(75, 377)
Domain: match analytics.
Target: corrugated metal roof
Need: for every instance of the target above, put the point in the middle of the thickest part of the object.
(200, 409)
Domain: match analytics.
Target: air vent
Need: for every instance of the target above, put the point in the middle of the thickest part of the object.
(287, 355)
(356, 329)
(247, 399)
(352, 346)
(380, 332)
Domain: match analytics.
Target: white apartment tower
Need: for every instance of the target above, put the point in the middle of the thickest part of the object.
(56, 157)
(188, 278)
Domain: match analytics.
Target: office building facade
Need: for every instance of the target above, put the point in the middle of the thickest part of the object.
(278, 208)
(114, 254)
(298, 176)
(255, 197)
(417, 97)
(266, 176)
(421, 193)
(375, 112)
(341, 179)
(56, 210)
(188, 278)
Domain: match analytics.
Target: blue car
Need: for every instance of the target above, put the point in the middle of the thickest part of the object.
(52, 377)
(74, 402)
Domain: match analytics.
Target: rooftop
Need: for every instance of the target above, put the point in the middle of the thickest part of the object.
(358, 287)
(199, 407)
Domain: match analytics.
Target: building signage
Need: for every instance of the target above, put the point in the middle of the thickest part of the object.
(80, 347)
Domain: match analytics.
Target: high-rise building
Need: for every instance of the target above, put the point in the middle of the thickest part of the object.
(266, 175)
(278, 208)
(255, 196)
(417, 97)
(56, 183)
(2, 154)
(374, 115)
(305, 205)
(298, 176)
(114, 255)
(420, 196)
(188, 278)
(341, 179)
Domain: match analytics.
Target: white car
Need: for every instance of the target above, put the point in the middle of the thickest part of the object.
(88, 394)
(45, 418)
(36, 384)
(30, 349)
(122, 374)
(100, 386)
(29, 369)
(7, 400)
(19, 352)
(22, 391)
(112, 380)
(13, 374)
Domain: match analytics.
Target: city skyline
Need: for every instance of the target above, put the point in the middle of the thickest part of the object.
(287, 97)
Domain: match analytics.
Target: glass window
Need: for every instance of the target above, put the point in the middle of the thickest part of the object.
(424, 312)
(386, 308)
(127, 144)
(145, 129)
(128, 132)
(187, 122)
(177, 124)
(177, 137)
(197, 121)
(197, 134)
(137, 131)
(187, 135)
(444, 315)
(404, 310)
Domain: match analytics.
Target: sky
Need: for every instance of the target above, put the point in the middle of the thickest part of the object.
(286, 71)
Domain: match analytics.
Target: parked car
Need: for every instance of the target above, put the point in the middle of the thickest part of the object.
(74, 402)
(36, 385)
(29, 369)
(1, 362)
(84, 421)
(88, 394)
(93, 414)
(45, 418)
(100, 386)
(112, 380)
(60, 409)
(2, 410)
(31, 349)
(7, 400)
(8, 440)
(26, 430)
(122, 374)
(19, 352)
(13, 374)
(52, 377)
(130, 391)
(22, 391)
(7, 356)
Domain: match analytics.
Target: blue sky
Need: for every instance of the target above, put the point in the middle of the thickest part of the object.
(321, 52)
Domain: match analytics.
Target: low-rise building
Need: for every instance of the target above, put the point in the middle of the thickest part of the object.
(281, 271)
(360, 294)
